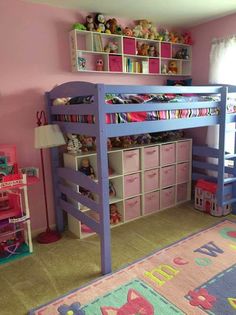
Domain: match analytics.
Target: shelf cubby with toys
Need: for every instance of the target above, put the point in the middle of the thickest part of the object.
(93, 51)
(142, 180)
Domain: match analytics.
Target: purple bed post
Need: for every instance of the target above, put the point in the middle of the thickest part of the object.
(102, 162)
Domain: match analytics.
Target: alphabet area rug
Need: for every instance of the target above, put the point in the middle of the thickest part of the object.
(196, 275)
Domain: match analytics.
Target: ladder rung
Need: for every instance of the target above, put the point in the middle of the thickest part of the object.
(230, 201)
(230, 156)
(229, 180)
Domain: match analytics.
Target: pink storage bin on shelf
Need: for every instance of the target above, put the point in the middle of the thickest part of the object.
(165, 50)
(129, 46)
(115, 63)
(154, 65)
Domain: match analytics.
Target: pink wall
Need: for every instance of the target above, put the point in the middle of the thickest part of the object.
(203, 35)
(34, 57)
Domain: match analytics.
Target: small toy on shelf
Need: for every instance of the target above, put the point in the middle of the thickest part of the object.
(152, 52)
(90, 23)
(112, 190)
(100, 23)
(73, 144)
(79, 26)
(143, 49)
(182, 54)
(111, 25)
(88, 144)
(187, 39)
(172, 67)
(164, 69)
(99, 64)
(86, 168)
(111, 47)
(81, 63)
(115, 216)
(128, 32)
(61, 101)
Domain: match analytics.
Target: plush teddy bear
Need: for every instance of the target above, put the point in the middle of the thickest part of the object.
(137, 31)
(127, 31)
(73, 144)
(89, 23)
(145, 28)
(111, 25)
(100, 23)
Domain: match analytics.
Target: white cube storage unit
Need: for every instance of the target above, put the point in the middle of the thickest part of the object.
(146, 179)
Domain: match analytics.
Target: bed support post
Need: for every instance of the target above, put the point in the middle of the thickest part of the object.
(55, 163)
(102, 162)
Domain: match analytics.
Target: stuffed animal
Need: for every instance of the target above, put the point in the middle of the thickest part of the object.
(79, 26)
(152, 52)
(86, 168)
(172, 67)
(152, 32)
(111, 47)
(111, 25)
(89, 23)
(61, 101)
(187, 39)
(143, 49)
(73, 144)
(145, 25)
(128, 32)
(100, 23)
(137, 31)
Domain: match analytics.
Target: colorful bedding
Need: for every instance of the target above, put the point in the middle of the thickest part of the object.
(115, 118)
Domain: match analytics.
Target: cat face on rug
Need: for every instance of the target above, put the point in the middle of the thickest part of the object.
(136, 305)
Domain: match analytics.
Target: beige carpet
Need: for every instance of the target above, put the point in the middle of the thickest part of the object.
(53, 270)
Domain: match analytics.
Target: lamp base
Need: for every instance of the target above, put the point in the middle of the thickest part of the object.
(48, 237)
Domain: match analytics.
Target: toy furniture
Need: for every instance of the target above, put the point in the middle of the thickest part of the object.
(15, 231)
(205, 199)
(160, 108)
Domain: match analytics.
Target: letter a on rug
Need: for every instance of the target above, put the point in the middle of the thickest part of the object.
(170, 281)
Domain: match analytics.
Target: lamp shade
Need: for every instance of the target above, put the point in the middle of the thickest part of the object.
(48, 136)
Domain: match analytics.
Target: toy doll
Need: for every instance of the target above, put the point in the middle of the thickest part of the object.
(112, 191)
(86, 168)
(115, 216)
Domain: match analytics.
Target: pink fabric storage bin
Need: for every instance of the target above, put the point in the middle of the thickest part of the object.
(182, 172)
(168, 154)
(132, 208)
(131, 161)
(115, 63)
(151, 202)
(167, 197)
(183, 151)
(182, 192)
(132, 185)
(165, 50)
(129, 46)
(151, 157)
(154, 65)
(168, 176)
(151, 180)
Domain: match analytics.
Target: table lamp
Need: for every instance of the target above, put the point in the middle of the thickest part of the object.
(46, 136)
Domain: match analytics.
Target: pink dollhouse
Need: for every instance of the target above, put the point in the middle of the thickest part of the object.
(205, 199)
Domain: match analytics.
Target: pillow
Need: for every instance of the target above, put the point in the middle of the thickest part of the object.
(185, 82)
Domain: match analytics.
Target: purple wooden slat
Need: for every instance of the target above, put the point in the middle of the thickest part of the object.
(139, 89)
(115, 108)
(78, 128)
(205, 151)
(79, 179)
(80, 216)
(116, 130)
(91, 204)
(82, 109)
(73, 89)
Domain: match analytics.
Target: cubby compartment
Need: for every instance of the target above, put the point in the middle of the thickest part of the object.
(115, 163)
(183, 172)
(116, 189)
(168, 176)
(151, 180)
(151, 157)
(132, 185)
(132, 208)
(151, 202)
(166, 50)
(183, 151)
(168, 197)
(182, 193)
(168, 154)
(131, 160)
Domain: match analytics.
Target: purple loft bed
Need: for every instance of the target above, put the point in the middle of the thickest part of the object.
(93, 115)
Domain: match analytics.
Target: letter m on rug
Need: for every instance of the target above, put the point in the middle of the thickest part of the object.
(165, 272)
(209, 249)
